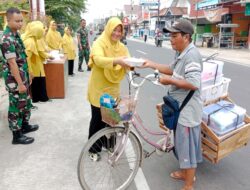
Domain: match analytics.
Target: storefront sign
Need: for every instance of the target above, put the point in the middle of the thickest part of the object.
(247, 10)
(214, 15)
(206, 4)
(149, 2)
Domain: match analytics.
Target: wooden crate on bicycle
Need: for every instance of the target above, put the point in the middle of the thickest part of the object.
(216, 147)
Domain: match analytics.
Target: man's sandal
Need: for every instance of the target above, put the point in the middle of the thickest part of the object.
(178, 176)
(187, 188)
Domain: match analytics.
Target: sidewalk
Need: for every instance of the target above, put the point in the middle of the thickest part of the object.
(50, 163)
(237, 56)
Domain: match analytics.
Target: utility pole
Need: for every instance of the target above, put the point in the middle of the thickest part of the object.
(158, 19)
(196, 21)
(131, 12)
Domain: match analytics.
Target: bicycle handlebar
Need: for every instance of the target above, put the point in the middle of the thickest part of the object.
(156, 76)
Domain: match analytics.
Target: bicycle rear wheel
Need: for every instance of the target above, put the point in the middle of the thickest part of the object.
(108, 174)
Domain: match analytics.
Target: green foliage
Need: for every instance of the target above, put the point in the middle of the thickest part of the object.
(121, 16)
(23, 5)
(66, 11)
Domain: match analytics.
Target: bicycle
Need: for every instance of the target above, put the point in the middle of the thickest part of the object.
(123, 153)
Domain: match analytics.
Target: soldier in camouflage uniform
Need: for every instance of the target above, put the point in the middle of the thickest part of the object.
(17, 79)
(83, 45)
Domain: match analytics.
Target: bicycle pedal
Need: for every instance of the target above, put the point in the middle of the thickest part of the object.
(146, 153)
(170, 148)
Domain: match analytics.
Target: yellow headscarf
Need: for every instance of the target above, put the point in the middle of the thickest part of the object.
(68, 38)
(111, 49)
(53, 38)
(41, 44)
(33, 30)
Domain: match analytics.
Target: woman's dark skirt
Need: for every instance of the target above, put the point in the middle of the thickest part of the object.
(38, 90)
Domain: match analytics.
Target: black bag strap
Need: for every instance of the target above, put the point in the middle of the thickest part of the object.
(186, 100)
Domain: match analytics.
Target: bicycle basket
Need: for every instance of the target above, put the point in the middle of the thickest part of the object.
(110, 116)
(123, 112)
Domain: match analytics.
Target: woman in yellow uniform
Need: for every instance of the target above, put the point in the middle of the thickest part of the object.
(107, 71)
(69, 49)
(53, 37)
(33, 33)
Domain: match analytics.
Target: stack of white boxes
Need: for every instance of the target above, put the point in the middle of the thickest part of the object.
(214, 85)
(221, 116)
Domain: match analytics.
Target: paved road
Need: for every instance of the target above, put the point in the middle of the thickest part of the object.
(233, 171)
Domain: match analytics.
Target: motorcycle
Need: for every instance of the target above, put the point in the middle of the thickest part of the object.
(158, 40)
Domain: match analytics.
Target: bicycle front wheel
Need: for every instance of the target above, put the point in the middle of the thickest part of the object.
(110, 173)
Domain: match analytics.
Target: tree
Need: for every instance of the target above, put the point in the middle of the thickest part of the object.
(24, 4)
(66, 11)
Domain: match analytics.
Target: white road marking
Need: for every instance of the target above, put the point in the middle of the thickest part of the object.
(141, 52)
(140, 179)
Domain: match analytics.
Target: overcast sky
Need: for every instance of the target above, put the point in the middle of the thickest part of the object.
(104, 8)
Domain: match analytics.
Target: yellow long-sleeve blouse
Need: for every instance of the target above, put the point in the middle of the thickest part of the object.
(68, 46)
(105, 78)
(33, 33)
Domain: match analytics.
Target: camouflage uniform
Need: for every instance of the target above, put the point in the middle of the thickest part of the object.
(19, 104)
(84, 53)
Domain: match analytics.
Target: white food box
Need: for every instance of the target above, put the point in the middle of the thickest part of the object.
(56, 54)
(134, 62)
(211, 69)
(225, 82)
(212, 81)
(213, 92)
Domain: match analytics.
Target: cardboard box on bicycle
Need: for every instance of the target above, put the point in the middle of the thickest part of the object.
(217, 147)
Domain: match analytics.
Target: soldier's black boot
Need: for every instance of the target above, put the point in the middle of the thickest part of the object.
(19, 138)
(26, 128)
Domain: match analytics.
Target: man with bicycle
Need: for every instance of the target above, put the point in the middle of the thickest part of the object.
(184, 75)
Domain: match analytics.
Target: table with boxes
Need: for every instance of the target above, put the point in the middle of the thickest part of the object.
(56, 71)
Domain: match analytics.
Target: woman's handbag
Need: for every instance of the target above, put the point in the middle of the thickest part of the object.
(171, 110)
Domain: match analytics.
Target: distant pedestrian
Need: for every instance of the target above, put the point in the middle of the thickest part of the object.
(17, 78)
(53, 37)
(146, 33)
(83, 45)
(68, 46)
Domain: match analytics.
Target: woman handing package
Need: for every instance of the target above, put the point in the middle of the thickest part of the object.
(108, 68)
